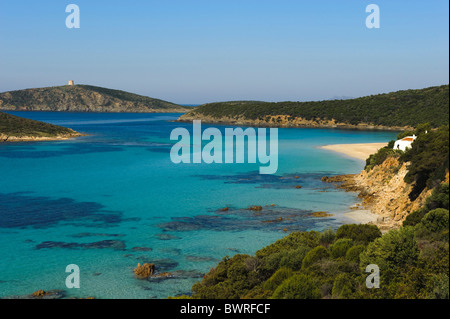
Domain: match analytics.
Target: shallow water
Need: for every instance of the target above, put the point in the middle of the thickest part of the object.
(110, 200)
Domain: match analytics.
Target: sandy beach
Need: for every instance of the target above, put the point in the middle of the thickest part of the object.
(359, 151)
(363, 216)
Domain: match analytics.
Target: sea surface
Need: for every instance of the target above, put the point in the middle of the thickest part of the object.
(110, 200)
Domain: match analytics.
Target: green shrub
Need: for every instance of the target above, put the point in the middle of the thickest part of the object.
(435, 225)
(438, 199)
(359, 233)
(340, 247)
(354, 252)
(297, 287)
(277, 278)
(343, 286)
(397, 249)
(315, 255)
(293, 259)
(327, 237)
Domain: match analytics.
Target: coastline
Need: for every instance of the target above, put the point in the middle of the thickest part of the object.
(283, 121)
(16, 139)
(358, 151)
(358, 214)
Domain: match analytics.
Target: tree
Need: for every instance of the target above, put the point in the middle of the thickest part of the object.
(394, 251)
(297, 287)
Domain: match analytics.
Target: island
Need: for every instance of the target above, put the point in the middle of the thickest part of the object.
(84, 98)
(17, 129)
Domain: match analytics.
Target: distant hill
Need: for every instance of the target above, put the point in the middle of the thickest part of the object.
(14, 128)
(397, 110)
(84, 98)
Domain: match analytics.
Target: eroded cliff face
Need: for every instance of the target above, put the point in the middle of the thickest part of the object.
(384, 192)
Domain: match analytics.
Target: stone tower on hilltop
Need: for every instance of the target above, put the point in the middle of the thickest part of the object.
(71, 82)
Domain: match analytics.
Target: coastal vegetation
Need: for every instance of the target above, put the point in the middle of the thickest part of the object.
(399, 109)
(83, 98)
(17, 128)
(413, 262)
(428, 157)
(413, 258)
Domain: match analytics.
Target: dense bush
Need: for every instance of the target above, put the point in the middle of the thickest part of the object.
(413, 263)
(343, 286)
(434, 226)
(429, 160)
(395, 250)
(297, 287)
(402, 108)
(277, 278)
(340, 247)
(315, 255)
(438, 199)
(360, 234)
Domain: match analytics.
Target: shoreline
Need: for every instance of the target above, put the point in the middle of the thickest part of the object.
(360, 151)
(15, 139)
(362, 216)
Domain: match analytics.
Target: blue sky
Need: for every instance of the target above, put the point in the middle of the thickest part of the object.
(199, 51)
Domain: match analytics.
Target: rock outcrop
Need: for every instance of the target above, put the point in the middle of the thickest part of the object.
(145, 271)
(384, 192)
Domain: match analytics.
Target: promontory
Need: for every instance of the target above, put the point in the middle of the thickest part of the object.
(84, 98)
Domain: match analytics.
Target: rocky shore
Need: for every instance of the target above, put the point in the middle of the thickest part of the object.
(61, 137)
(285, 121)
(383, 191)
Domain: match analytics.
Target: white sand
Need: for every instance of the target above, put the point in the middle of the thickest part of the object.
(359, 151)
(362, 216)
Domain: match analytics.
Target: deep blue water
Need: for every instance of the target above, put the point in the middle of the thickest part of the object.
(112, 199)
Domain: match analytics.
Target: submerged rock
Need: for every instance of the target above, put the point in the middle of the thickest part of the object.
(141, 249)
(321, 214)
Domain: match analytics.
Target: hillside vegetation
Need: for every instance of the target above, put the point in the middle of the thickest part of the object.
(413, 259)
(14, 127)
(83, 98)
(398, 109)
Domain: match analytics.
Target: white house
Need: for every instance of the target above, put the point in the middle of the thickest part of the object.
(404, 143)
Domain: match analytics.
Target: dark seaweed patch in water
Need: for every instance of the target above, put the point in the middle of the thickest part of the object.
(268, 219)
(19, 210)
(287, 181)
(70, 149)
(110, 244)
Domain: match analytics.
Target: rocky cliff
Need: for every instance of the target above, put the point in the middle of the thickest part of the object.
(84, 98)
(384, 192)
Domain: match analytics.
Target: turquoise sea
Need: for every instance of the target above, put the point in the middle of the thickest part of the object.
(113, 199)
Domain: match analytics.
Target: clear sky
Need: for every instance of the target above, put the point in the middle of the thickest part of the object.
(198, 51)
